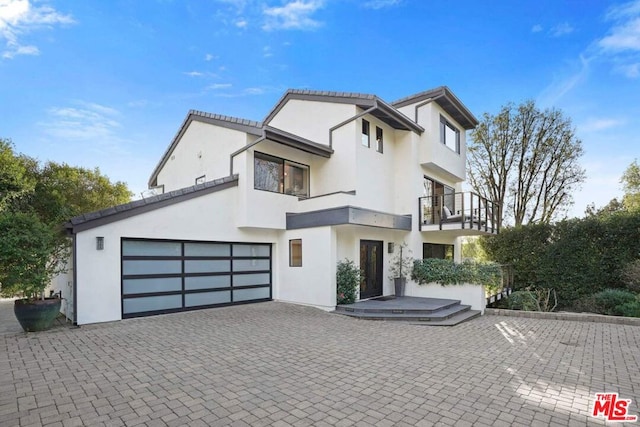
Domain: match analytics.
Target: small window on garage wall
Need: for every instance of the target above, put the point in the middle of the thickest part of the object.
(295, 253)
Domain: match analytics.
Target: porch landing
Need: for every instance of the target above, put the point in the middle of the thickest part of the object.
(421, 311)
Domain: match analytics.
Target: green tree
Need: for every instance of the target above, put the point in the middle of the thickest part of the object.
(15, 177)
(526, 160)
(64, 191)
(631, 186)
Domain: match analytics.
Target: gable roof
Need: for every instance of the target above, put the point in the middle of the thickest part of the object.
(117, 213)
(447, 100)
(243, 125)
(382, 110)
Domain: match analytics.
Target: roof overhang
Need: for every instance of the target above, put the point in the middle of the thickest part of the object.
(290, 140)
(445, 98)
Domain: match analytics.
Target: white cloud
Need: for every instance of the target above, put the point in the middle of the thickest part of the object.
(254, 91)
(266, 52)
(294, 15)
(625, 33)
(380, 4)
(209, 57)
(561, 86)
(631, 71)
(218, 86)
(596, 124)
(194, 73)
(561, 30)
(84, 121)
(18, 17)
(241, 23)
(536, 28)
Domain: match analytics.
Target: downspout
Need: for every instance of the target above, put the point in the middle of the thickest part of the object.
(74, 265)
(246, 147)
(357, 116)
(428, 101)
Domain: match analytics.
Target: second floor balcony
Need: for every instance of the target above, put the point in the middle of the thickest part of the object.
(459, 214)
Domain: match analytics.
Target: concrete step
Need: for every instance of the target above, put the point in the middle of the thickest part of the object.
(414, 315)
(452, 321)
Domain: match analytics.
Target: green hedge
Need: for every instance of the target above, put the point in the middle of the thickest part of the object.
(446, 272)
(347, 281)
(577, 257)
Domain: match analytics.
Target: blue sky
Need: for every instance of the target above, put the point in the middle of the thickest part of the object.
(108, 83)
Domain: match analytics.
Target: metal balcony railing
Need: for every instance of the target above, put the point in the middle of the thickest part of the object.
(468, 209)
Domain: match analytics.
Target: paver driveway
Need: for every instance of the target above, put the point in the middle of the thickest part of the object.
(280, 364)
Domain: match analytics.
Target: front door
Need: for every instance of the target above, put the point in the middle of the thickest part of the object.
(371, 266)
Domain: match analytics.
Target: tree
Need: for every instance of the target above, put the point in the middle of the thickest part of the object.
(526, 160)
(631, 186)
(15, 179)
(64, 191)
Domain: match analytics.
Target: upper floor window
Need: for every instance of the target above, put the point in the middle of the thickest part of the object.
(280, 176)
(449, 135)
(379, 141)
(365, 133)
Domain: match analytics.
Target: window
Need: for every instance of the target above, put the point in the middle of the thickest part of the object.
(200, 179)
(295, 253)
(365, 133)
(436, 250)
(280, 175)
(379, 141)
(449, 135)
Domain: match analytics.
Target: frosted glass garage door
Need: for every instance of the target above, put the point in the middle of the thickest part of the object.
(164, 276)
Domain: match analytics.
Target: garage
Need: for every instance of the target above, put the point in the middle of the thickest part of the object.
(165, 276)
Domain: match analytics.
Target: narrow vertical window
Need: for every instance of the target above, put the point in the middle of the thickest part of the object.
(365, 133)
(379, 142)
(295, 253)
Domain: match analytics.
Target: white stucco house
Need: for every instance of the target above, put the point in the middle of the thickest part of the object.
(253, 211)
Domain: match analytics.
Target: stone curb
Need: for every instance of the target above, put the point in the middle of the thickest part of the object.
(577, 317)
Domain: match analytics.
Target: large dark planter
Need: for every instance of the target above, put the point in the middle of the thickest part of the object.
(37, 315)
(399, 283)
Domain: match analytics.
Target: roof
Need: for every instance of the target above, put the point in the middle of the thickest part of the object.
(117, 213)
(295, 141)
(447, 100)
(244, 125)
(381, 109)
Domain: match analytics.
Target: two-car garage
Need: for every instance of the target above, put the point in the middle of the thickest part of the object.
(163, 276)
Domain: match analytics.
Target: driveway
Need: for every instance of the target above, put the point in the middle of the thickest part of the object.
(281, 364)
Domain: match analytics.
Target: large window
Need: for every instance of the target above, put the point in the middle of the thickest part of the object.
(365, 133)
(280, 176)
(436, 250)
(449, 135)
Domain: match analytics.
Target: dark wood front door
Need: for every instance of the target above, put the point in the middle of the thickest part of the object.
(371, 266)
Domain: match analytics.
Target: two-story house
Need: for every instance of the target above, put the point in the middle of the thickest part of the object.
(253, 211)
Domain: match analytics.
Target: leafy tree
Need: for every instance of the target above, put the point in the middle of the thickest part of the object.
(526, 160)
(64, 191)
(15, 177)
(631, 185)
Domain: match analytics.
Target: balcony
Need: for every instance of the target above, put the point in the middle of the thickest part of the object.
(458, 214)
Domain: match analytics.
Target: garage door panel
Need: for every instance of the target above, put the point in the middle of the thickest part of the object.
(140, 267)
(250, 294)
(155, 303)
(207, 266)
(166, 276)
(207, 298)
(206, 282)
(145, 286)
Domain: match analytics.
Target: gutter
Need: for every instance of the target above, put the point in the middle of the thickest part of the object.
(357, 116)
(246, 147)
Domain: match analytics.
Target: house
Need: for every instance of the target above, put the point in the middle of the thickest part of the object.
(252, 211)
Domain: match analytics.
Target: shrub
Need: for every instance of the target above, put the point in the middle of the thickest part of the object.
(630, 276)
(347, 280)
(446, 272)
(533, 300)
(612, 302)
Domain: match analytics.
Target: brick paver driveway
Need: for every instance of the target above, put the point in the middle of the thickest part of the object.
(281, 364)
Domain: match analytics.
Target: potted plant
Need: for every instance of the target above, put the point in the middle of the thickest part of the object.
(400, 267)
(31, 254)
